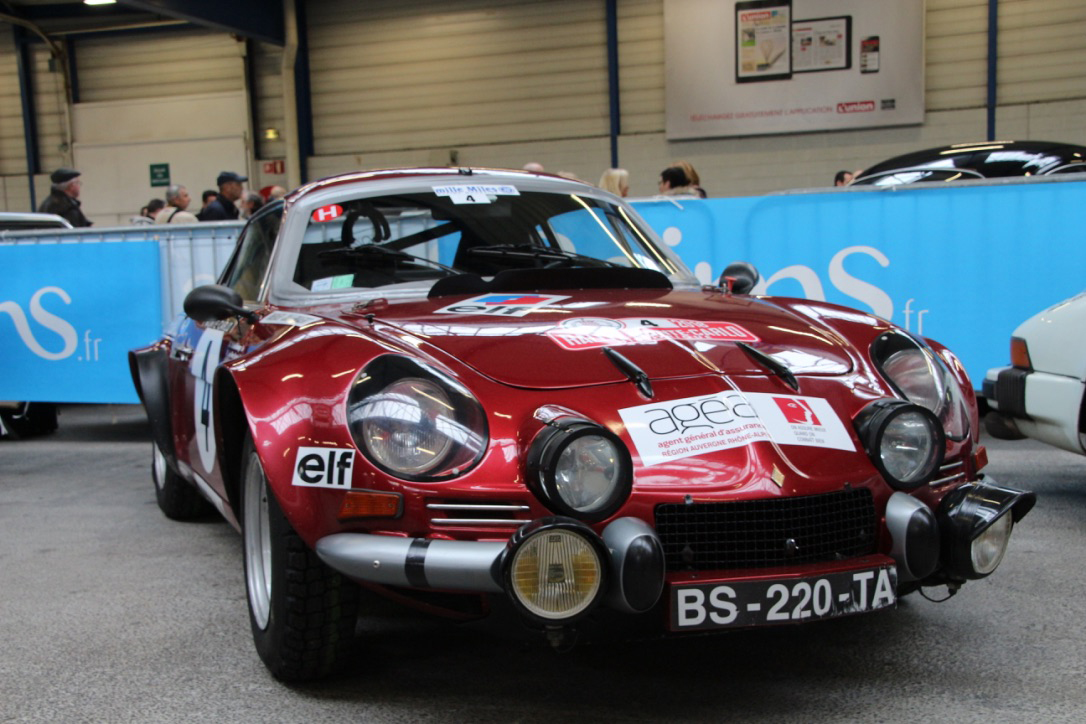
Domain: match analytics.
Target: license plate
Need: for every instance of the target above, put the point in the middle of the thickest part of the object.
(782, 600)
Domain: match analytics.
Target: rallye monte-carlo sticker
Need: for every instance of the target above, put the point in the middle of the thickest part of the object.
(675, 429)
(593, 332)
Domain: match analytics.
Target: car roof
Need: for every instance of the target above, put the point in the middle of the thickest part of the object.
(990, 159)
(459, 175)
(13, 220)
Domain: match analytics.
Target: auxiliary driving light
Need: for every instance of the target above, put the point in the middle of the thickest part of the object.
(905, 441)
(976, 521)
(580, 469)
(554, 569)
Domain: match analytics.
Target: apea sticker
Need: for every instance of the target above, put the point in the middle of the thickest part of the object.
(502, 305)
(323, 467)
(331, 212)
(675, 429)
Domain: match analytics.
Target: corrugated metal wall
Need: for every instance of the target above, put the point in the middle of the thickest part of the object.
(641, 65)
(428, 76)
(165, 63)
(267, 93)
(1042, 50)
(396, 75)
(12, 148)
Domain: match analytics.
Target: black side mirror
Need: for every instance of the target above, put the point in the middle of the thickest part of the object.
(739, 277)
(215, 302)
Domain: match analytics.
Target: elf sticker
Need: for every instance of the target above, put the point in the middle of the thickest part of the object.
(591, 333)
(502, 305)
(323, 467)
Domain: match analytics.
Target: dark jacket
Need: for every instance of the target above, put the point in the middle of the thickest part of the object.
(219, 210)
(63, 205)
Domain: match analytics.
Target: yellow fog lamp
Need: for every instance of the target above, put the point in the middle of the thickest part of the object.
(555, 570)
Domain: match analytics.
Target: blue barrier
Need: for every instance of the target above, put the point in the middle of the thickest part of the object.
(90, 304)
(964, 264)
(74, 301)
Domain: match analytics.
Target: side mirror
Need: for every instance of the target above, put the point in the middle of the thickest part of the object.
(739, 277)
(215, 302)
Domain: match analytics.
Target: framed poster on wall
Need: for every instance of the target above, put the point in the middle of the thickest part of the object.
(753, 67)
(763, 43)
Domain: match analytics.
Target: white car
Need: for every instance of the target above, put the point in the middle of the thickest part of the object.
(1041, 394)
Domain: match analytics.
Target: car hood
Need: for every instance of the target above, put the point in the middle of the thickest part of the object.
(549, 341)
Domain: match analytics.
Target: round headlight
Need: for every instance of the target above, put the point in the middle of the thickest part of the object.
(922, 377)
(554, 569)
(580, 469)
(987, 548)
(413, 422)
(904, 441)
(401, 426)
(916, 375)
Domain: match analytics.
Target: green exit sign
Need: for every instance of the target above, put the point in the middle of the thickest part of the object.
(160, 174)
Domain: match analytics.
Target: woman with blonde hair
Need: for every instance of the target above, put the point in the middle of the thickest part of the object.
(616, 180)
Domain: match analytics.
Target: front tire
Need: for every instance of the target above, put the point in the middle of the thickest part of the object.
(302, 612)
(177, 499)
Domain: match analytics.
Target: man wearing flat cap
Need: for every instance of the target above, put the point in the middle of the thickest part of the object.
(63, 199)
(223, 208)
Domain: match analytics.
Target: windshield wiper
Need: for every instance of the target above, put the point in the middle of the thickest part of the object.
(531, 252)
(363, 251)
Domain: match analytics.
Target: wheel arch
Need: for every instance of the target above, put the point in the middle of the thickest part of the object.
(150, 376)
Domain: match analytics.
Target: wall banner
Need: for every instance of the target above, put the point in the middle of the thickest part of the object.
(752, 67)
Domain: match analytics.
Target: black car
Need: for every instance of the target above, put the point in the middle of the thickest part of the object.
(985, 159)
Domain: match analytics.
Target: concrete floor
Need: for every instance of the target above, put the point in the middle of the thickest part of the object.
(111, 612)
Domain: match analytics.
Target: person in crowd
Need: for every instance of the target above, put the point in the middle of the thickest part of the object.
(692, 175)
(63, 199)
(842, 178)
(617, 181)
(224, 208)
(674, 183)
(208, 196)
(277, 192)
(147, 214)
(251, 203)
(534, 167)
(177, 203)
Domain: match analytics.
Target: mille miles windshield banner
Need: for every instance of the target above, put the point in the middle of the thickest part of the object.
(751, 67)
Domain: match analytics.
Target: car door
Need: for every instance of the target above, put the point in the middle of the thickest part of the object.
(199, 348)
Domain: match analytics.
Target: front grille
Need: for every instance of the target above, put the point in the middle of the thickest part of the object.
(766, 533)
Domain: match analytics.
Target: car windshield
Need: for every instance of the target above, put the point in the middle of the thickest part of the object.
(409, 240)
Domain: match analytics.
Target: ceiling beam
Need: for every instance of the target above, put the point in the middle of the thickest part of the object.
(256, 19)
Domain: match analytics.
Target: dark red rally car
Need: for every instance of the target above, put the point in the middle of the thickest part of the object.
(471, 388)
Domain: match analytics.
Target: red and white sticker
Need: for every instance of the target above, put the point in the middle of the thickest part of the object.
(674, 429)
(331, 212)
(593, 332)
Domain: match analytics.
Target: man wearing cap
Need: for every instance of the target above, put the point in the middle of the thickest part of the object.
(223, 208)
(63, 199)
